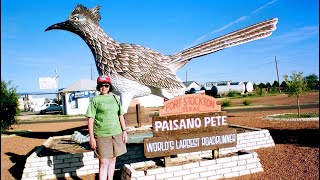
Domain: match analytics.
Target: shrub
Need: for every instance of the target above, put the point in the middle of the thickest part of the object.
(274, 90)
(259, 91)
(9, 105)
(226, 103)
(247, 102)
(232, 94)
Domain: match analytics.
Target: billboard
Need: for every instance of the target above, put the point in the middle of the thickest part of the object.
(48, 83)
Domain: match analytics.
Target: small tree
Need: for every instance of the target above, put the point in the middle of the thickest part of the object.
(275, 87)
(296, 86)
(275, 84)
(258, 91)
(268, 86)
(312, 81)
(261, 85)
(284, 86)
(274, 90)
(9, 105)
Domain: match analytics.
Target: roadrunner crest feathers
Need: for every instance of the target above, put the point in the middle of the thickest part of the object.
(138, 71)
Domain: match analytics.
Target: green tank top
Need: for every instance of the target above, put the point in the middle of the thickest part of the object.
(104, 110)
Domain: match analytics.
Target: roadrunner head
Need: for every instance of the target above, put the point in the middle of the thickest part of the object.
(84, 22)
(79, 20)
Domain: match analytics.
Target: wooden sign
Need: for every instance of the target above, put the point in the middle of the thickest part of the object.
(188, 123)
(190, 104)
(170, 145)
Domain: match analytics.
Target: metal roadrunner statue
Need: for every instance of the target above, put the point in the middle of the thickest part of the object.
(138, 71)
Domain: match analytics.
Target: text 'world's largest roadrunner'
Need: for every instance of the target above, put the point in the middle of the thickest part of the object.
(138, 71)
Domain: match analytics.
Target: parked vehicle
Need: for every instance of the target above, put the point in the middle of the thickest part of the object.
(48, 108)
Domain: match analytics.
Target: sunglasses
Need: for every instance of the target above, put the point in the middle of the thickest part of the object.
(104, 85)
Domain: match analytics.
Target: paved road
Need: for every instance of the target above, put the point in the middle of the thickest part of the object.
(52, 120)
(231, 109)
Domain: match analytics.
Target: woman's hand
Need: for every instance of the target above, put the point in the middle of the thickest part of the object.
(93, 143)
(124, 136)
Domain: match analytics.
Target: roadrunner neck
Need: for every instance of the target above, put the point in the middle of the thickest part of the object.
(104, 49)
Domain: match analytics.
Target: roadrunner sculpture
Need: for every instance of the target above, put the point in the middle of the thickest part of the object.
(138, 71)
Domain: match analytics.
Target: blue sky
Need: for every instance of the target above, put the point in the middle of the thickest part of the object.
(168, 26)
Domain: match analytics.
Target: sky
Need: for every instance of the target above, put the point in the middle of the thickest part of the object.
(167, 26)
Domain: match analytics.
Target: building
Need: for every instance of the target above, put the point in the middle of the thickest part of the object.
(76, 97)
(192, 85)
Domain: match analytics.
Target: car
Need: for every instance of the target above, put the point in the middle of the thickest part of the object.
(48, 108)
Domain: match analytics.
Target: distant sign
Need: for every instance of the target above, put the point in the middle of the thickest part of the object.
(48, 83)
(80, 94)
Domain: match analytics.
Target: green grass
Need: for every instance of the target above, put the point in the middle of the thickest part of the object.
(56, 116)
(307, 115)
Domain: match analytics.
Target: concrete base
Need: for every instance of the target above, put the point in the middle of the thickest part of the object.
(227, 167)
(66, 165)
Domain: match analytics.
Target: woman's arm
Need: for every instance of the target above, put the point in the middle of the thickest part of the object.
(93, 143)
(124, 129)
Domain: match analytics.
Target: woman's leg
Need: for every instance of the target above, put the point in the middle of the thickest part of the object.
(103, 169)
(111, 167)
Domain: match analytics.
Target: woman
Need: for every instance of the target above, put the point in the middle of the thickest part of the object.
(106, 126)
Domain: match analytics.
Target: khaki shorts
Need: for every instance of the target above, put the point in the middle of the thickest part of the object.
(110, 146)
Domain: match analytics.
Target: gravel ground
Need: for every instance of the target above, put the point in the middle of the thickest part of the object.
(295, 155)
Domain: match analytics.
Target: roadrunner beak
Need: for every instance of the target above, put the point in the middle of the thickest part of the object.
(62, 26)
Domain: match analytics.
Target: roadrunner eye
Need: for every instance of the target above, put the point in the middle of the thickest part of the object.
(75, 18)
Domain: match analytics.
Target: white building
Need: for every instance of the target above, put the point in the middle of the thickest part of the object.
(76, 97)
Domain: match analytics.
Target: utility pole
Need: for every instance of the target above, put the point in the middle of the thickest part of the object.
(56, 78)
(186, 76)
(275, 59)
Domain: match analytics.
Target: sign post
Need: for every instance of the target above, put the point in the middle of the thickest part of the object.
(189, 123)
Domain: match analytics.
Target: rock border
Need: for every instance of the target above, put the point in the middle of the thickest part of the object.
(246, 162)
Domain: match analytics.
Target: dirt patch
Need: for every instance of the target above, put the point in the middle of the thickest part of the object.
(61, 146)
(64, 146)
